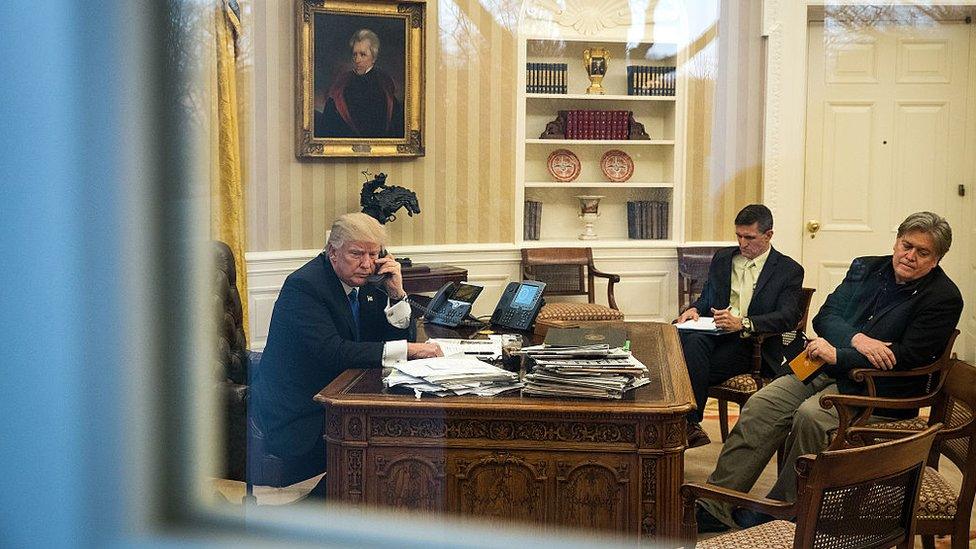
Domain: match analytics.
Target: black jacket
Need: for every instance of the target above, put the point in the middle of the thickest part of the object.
(311, 341)
(917, 327)
(775, 304)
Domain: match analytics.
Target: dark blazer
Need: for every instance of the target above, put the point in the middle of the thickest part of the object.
(918, 327)
(312, 340)
(775, 304)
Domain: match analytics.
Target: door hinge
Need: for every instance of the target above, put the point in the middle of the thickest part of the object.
(962, 190)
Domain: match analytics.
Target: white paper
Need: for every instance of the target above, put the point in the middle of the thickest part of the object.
(703, 324)
(481, 348)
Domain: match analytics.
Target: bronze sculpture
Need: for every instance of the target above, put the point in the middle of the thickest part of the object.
(382, 202)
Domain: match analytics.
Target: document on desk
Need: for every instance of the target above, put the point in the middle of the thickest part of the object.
(454, 375)
(478, 348)
(703, 324)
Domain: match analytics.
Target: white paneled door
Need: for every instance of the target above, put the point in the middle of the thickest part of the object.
(886, 136)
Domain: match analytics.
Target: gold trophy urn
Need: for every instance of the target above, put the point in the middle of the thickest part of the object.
(595, 62)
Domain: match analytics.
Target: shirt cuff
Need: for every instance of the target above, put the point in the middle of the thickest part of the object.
(398, 314)
(394, 352)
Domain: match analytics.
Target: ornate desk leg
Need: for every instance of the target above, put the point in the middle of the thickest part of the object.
(662, 472)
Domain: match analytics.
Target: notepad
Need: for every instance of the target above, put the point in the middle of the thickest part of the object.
(703, 324)
(805, 367)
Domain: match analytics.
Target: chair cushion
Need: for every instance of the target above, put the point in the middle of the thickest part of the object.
(578, 311)
(913, 424)
(778, 533)
(742, 383)
(937, 499)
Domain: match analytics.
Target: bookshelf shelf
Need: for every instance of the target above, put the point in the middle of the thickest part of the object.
(651, 198)
(598, 184)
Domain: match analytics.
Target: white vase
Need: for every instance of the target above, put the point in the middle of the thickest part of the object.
(589, 213)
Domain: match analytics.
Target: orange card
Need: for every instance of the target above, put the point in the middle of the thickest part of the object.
(805, 367)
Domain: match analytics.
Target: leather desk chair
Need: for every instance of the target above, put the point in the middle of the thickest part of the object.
(569, 272)
(850, 498)
(233, 362)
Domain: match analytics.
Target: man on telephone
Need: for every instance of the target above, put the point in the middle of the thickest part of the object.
(327, 319)
(750, 288)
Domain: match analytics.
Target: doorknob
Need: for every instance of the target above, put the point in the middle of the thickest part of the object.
(812, 227)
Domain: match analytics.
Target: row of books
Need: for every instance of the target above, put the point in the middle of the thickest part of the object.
(569, 364)
(595, 124)
(532, 220)
(545, 78)
(647, 219)
(644, 80)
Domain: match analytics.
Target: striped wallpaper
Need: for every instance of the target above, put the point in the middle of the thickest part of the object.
(466, 181)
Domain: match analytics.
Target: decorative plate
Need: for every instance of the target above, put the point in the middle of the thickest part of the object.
(617, 165)
(563, 165)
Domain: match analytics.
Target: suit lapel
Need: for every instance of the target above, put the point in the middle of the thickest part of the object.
(337, 293)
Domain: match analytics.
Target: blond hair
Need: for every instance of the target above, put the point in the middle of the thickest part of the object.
(356, 227)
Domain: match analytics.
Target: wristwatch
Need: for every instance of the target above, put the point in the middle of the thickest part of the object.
(746, 325)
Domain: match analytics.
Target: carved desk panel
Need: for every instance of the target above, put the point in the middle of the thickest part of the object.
(602, 465)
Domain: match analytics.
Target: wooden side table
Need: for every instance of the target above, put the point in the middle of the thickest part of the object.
(417, 279)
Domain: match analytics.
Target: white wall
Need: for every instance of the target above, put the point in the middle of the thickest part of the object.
(648, 289)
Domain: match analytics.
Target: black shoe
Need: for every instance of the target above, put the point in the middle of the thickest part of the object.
(747, 518)
(707, 523)
(697, 436)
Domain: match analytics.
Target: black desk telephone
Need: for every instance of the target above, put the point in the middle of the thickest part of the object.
(516, 309)
(519, 305)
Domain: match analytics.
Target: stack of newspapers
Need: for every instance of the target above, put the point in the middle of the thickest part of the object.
(452, 375)
(568, 365)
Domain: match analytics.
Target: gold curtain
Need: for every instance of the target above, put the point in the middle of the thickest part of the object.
(227, 187)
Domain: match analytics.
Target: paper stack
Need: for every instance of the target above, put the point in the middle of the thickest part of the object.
(603, 370)
(452, 375)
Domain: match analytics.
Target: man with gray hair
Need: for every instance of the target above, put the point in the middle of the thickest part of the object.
(890, 312)
(328, 319)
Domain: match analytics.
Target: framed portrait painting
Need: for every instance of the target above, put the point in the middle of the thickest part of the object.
(360, 70)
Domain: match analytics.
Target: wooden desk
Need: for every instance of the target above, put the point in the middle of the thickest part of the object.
(606, 465)
(432, 280)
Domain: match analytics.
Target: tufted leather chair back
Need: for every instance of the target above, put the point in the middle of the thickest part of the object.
(231, 341)
(231, 368)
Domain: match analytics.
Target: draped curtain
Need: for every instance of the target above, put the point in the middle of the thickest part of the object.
(227, 196)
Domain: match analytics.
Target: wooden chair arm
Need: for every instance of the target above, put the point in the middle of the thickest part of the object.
(613, 279)
(854, 410)
(692, 491)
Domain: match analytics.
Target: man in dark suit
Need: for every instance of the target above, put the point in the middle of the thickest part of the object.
(890, 312)
(327, 319)
(750, 288)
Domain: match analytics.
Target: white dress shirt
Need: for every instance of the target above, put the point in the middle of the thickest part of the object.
(398, 315)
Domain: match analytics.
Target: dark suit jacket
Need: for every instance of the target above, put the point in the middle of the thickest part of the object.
(775, 305)
(311, 341)
(918, 327)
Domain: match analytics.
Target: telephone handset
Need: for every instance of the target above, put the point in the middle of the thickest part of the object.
(519, 305)
(378, 279)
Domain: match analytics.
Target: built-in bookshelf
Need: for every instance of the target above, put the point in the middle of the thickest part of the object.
(656, 158)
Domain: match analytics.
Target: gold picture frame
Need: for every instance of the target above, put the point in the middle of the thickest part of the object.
(360, 79)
